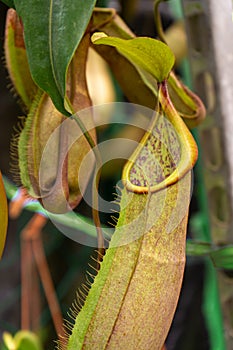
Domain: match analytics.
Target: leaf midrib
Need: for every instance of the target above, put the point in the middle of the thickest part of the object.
(51, 46)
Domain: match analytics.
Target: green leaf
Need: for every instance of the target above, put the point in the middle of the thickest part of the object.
(195, 248)
(149, 54)
(53, 30)
(3, 216)
(23, 340)
(9, 3)
(223, 258)
(26, 340)
(8, 340)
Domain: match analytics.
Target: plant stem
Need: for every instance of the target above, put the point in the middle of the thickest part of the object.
(46, 280)
(26, 260)
(32, 246)
(158, 22)
(35, 206)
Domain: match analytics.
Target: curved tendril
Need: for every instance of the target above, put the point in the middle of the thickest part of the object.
(158, 22)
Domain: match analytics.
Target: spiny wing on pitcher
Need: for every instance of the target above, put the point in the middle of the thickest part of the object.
(3, 216)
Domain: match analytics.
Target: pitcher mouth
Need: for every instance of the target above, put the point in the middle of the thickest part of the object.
(169, 146)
